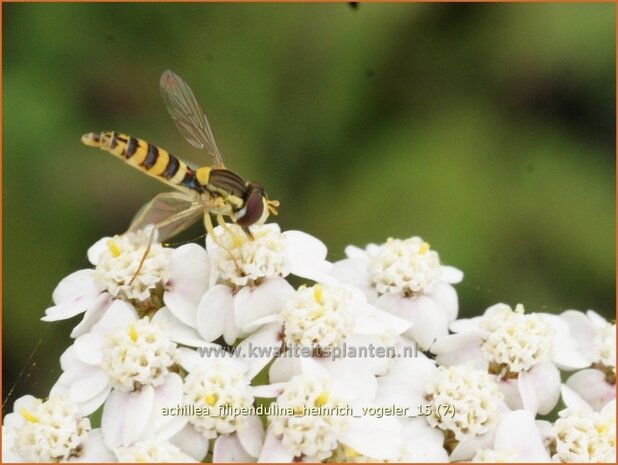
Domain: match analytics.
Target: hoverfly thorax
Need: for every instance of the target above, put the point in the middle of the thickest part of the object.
(257, 207)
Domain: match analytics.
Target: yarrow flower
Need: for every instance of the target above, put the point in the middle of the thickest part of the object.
(515, 342)
(131, 266)
(314, 418)
(583, 435)
(314, 436)
(406, 278)
(317, 316)
(473, 395)
(247, 277)
(134, 268)
(332, 322)
(521, 349)
(47, 431)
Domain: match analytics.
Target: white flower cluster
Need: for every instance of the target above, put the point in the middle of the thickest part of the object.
(210, 354)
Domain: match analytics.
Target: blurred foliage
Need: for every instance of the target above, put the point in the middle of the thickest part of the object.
(487, 129)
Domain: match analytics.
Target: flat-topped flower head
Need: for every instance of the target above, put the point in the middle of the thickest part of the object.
(406, 266)
(315, 436)
(515, 342)
(405, 277)
(137, 355)
(153, 451)
(473, 395)
(131, 266)
(216, 389)
(46, 431)
(317, 316)
(583, 435)
(239, 260)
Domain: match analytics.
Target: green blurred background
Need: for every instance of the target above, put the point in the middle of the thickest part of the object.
(487, 129)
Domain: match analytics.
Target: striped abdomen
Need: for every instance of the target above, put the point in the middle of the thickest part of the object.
(146, 157)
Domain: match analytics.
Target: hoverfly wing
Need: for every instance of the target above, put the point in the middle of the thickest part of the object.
(170, 212)
(188, 114)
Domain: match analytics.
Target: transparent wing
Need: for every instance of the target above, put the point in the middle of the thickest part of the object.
(188, 115)
(170, 212)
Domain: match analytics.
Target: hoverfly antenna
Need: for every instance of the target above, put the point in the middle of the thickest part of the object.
(272, 207)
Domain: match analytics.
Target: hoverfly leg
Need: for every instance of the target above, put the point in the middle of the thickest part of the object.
(248, 232)
(146, 252)
(211, 232)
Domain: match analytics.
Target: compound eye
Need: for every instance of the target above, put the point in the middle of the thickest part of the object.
(253, 210)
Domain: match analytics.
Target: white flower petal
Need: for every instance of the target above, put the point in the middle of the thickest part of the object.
(527, 392)
(360, 383)
(254, 303)
(284, 368)
(95, 312)
(268, 391)
(546, 381)
(228, 449)
(92, 405)
(191, 442)
(450, 274)
(591, 386)
(96, 249)
(176, 330)
(306, 255)
(88, 386)
(125, 416)
(216, 306)
(428, 319)
(384, 432)
(446, 296)
(354, 271)
(351, 251)
(93, 449)
(78, 284)
(89, 348)
(518, 432)
(167, 395)
(572, 400)
(251, 436)
(274, 452)
(583, 331)
(464, 325)
(119, 314)
(259, 348)
(187, 282)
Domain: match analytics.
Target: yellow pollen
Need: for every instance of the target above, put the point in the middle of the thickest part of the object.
(132, 333)
(471, 417)
(317, 293)
(210, 399)
(350, 453)
(317, 314)
(298, 410)
(602, 428)
(424, 248)
(113, 248)
(25, 413)
(321, 399)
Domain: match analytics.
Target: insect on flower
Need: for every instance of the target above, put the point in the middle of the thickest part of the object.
(200, 191)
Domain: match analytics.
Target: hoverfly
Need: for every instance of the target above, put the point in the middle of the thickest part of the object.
(199, 191)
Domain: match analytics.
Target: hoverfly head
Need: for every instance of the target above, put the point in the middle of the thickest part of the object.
(257, 207)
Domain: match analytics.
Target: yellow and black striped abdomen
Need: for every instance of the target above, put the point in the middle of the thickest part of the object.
(146, 157)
